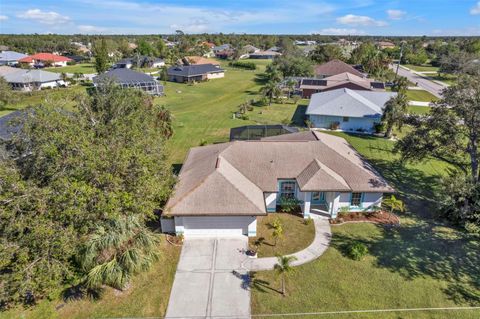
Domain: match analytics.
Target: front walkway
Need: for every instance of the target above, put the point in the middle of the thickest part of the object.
(320, 243)
(209, 282)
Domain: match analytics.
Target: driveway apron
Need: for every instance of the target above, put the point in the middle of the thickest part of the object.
(209, 281)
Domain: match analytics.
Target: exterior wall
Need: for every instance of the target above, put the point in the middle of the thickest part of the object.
(270, 201)
(307, 93)
(167, 225)
(369, 201)
(353, 124)
(63, 63)
(215, 75)
(158, 64)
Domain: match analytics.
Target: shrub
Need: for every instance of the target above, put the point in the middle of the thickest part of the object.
(289, 205)
(243, 65)
(71, 62)
(379, 127)
(334, 125)
(307, 221)
(357, 251)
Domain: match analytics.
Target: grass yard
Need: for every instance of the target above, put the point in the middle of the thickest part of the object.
(423, 263)
(66, 96)
(421, 110)
(449, 79)
(421, 95)
(204, 111)
(147, 296)
(85, 68)
(422, 68)
(297, 234)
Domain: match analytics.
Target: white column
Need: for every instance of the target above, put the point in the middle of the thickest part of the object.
(306, 204)
(335, 205)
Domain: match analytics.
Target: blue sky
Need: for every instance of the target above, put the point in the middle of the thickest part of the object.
(369, 17)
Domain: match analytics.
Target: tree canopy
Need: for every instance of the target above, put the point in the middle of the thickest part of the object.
(71, 173)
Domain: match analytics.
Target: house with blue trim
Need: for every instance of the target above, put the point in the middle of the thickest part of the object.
(223, 188)
(347, 110)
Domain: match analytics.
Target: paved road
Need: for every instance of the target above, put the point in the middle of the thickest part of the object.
(209, 282)
(427, 85)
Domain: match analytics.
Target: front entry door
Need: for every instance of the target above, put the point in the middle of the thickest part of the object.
(318, 198)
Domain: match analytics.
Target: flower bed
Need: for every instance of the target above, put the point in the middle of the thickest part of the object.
(378, 217)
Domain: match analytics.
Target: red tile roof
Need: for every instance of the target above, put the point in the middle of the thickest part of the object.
(45, 57)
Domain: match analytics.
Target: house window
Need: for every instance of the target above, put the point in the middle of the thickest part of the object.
(287, 189)
(356, 199)
(346, 119)
(318, 197)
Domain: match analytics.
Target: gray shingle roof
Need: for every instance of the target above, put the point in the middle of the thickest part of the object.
(6, 56)
(346, 102)
(231, 178)
(29, 76)
(125, 76)
(194, 69)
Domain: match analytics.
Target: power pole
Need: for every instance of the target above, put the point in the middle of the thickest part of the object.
(400, 59)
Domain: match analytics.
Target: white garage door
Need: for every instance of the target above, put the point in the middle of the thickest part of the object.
(217, 226)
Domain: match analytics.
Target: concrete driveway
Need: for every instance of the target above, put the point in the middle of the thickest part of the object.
(209, 281)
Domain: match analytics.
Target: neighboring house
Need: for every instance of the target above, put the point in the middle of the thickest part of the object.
(335, 67)
(257, 132)
(385, 45)
(195, 59)
(264, 55)
(250, 49)
(127, 78)
(223, 188)
(10, 57)
(32, 80)
(309, 86)
(194, 73)
(4, 70)
(45, 59)
(78, 58)
(222, 47)
(347, 110)
(275, 49)
(225, 54)
(139, 62)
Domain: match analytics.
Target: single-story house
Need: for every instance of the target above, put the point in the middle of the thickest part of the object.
(250, 49)
(385, 45)
(139, 62)
(347, 110)
(275, 49)
(45, 59)
(194, 73)
(309, 86)
(222, 47)
(32, 80)
(78, 58)
(223, 188)
(225, 54)
(335, 67)
(127, 78)
(10, 57)
(195, 59)
(264, 55)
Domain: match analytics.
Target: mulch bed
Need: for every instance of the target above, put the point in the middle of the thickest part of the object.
(380, 217)
(174, 240)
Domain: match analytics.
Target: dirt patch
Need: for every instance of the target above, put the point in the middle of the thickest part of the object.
(380, 217)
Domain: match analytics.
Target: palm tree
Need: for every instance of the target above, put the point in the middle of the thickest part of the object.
(270, 90)
(394, 204)
(394, 112)
(116, 251)
(283, 268)
(291, 86)
(400, 84)
(277, 230)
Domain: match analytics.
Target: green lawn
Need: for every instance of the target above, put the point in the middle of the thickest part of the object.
(147, 296)
(445, 78)
(422, 263)
(421, 95)
(297, 234)
(85, 68)
(422, 68)
(422, 110)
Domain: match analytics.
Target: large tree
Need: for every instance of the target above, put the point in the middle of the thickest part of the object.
(101, 56)
(72, 173)
(394, 113)
(451, 133)
(325, 53)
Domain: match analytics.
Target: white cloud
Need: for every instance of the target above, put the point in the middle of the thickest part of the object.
(396, 14)
(90, 29)
(339, 31)
(3, 17)
(355, 20)
(44, 17)
(476, 9)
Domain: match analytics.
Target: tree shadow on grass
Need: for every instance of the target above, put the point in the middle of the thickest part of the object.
(80, 291)
(261, 78)
(260, 285)
(299, 117)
